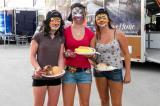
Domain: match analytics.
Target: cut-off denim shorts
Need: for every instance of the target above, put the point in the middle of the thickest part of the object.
(115, 75)
(79, 77)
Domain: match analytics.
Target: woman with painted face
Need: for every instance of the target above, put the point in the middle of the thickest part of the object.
(78, 68)
(110, 43)
(47, 47)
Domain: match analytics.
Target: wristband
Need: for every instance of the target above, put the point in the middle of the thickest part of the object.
(37, 68)
(66, 54)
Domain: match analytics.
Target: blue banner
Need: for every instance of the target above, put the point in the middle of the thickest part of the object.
(2, 27)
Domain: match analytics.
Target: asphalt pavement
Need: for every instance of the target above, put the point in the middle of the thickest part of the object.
(16, 88)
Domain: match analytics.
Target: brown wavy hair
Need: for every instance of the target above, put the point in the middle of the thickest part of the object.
(100, 11)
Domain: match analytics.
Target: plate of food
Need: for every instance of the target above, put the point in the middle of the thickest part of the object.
(104, 67)
(53, 72)
(84, 50)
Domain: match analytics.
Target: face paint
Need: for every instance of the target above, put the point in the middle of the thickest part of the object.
(78, 13)
(55, 23)
(102, 20)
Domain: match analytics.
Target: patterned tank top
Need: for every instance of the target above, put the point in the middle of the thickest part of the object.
(110, 53)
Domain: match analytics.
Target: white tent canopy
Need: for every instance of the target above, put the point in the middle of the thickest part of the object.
(39, 4)
(92, 7)
(19, 3)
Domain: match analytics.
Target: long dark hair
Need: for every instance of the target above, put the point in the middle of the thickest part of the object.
(50, 14)
(104, 11)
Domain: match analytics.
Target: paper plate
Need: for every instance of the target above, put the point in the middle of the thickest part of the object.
(87, 53)
(108, 68)
(54, 76)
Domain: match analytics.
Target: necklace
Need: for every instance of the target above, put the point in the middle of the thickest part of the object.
(78, 32)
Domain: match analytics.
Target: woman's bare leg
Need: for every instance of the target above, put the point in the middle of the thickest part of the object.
(39, 95)
(53, 95)
(102, 87)
(68, 94)
(116, 89)
(84, 94)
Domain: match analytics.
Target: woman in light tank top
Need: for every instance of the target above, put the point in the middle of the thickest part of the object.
(110, 43)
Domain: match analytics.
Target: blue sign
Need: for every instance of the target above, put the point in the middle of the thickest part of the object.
(5, 22)
(2, 27)
(8, 23)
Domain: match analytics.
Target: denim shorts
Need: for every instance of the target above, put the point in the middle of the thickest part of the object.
(84, 76)
(115, 75)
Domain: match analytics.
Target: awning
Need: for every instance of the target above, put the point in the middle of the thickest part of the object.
(153, 6)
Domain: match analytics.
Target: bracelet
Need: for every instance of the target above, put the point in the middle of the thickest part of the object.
(93, 59)
(37, 68)
(66, 54)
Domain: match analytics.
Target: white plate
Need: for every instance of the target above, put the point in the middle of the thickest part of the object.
(108, 68)
(89, 53)
(54, 76)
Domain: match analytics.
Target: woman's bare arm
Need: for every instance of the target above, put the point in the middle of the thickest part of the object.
(124, 48)
(93, 42)
(33, 53)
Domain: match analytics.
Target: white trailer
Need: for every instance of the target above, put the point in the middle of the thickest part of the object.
(130, 17)
(145, 47)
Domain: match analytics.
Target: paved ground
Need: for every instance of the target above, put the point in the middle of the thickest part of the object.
(16, 71)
